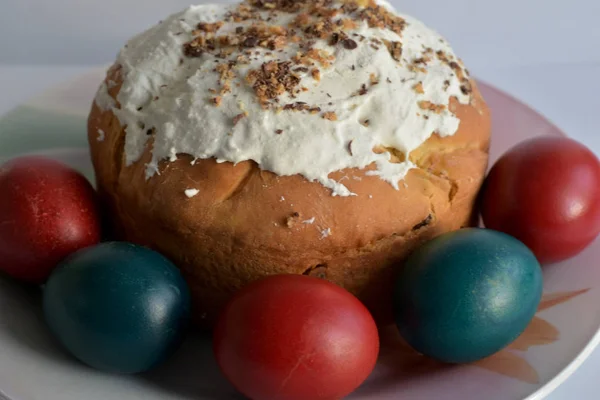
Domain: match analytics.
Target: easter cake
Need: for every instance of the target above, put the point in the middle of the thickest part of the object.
(320, 137)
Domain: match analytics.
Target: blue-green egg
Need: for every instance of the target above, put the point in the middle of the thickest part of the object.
(118, 307)
(466, 295)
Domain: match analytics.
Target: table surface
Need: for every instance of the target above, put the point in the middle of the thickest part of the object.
(543, 53)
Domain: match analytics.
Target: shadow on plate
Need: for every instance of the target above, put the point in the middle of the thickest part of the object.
(192, 372)
(397, 362)
(23, 320)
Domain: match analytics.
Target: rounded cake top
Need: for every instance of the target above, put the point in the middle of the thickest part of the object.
(304, 87)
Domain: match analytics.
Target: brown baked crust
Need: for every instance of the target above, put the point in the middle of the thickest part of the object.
(238, 229)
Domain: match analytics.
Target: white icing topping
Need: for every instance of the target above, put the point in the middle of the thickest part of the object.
(101, 135)
(168, 92)
(309, 221)
(104, 99)
(325, 233)
(191, 193)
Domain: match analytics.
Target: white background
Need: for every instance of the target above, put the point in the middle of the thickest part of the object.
(545, 52)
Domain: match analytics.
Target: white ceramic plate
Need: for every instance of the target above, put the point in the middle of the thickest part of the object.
(34, 367)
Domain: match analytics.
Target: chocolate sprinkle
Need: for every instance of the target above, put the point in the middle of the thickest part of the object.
(251, 41)
(335, 38)
(192, 50)
(349, 44)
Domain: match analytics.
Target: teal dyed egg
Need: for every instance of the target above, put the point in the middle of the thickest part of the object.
(117, 307)
(467, 294)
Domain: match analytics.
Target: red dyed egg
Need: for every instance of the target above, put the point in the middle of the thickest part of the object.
(294, 337)
(47, 211)
(546, 193)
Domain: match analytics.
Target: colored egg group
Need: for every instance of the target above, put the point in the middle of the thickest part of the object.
(117, 307)
(467, 294)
